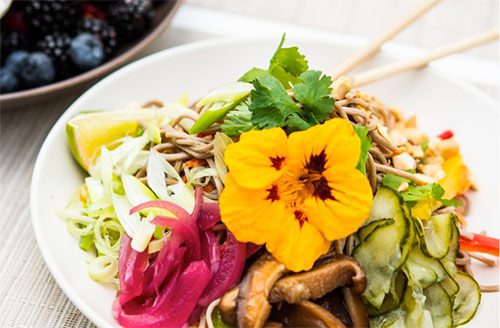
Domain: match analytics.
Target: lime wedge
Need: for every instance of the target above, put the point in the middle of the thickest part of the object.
(87, 132)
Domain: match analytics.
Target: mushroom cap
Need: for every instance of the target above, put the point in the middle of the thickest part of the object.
(319, 281)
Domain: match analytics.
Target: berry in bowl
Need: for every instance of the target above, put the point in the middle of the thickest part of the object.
(52, 46)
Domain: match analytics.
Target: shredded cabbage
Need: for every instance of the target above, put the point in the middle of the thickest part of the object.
(103, 268)
(196, 174)
(221, 141)
(99, 213)
(180, 193)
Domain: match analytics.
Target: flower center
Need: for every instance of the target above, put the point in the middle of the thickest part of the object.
(300, 216)
(277, 162)
(314, 182)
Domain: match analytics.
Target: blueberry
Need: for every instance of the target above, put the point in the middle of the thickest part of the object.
(8, 80)
(37, 70)
(16, 60)
(87, 51)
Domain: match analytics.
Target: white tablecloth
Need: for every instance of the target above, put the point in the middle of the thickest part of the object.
(29, 296)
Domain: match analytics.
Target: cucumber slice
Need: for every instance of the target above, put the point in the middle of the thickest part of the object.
(393, 299)
(450, 286)
(436, 234)
(407, 246)
(417, 316)
(394, 319)
(378, 261)
(438, 303)
(448, 261)
(364, 231)
(421, 270)
(467, 299)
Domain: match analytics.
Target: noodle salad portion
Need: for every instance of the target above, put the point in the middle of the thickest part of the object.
(283, 199)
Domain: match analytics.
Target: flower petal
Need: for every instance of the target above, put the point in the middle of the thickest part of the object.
(297, 247)
(258, 158)
(252, 215)
(348, 210)
(336, 138)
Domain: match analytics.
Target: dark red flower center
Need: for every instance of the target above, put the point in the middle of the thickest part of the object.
(273, 193)
(300, 216)
(277, 162)
(314, 180)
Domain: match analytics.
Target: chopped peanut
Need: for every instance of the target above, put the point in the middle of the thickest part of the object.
(383, 132)
(415, 135)
(403, 186)
(416, 151)
(397, 138)
(448, 148)
(434, 170)
(342, 86)
(434, 160)
(404, 161)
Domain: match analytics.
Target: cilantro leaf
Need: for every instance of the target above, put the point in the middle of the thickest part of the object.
(271, 104)
(295, 123)
(437, 192)
(252, 74)
(286, 65)
(416, 193)
(366, 144)
(237, 121)
(424, 145)
(393, 181)
(313, 92)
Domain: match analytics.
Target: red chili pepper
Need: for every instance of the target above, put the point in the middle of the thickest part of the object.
(480, 243)
(446, 135)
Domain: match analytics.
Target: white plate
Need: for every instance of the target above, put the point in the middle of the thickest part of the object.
(440, 103)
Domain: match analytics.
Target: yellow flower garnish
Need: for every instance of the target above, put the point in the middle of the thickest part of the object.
(295, 194)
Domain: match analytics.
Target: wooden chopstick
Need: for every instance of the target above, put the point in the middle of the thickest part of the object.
(377, 43)
(418, 62)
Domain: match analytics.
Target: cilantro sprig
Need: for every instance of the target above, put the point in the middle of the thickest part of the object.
(286, 65)
(416, 193)
(366, 145)
(286, 94)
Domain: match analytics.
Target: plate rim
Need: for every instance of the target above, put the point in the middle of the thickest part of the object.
(212, 42)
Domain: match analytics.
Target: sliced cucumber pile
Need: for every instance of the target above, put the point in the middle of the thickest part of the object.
(412, 279)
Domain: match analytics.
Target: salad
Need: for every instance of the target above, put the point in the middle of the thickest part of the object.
(283, 199)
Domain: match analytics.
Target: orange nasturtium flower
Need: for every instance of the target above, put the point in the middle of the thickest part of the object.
(295, 194)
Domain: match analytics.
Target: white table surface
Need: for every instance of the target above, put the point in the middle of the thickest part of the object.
(29, 296)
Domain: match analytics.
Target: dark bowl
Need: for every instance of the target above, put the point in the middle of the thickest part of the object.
(164, 14)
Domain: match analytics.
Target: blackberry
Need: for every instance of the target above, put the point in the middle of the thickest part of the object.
(100, 28)
(131, 17)
(12, 41)
(48, 16)
(57, 46)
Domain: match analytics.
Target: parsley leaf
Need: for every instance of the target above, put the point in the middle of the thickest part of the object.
(271, 104)
(237, 121)
(366, 144)
(313, 92)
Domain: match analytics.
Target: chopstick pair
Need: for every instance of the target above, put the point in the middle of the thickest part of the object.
(405, 65)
